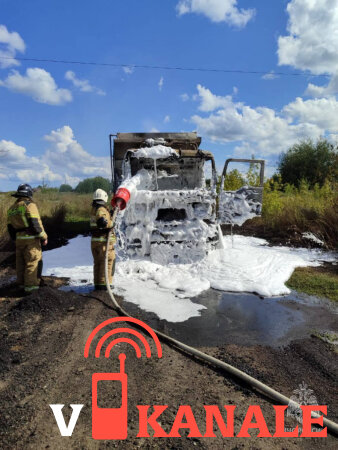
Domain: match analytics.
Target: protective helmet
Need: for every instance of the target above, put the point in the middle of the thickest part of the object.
(24, 190)
(100, 194)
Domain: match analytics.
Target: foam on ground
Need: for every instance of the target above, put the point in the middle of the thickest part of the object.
(246, 264)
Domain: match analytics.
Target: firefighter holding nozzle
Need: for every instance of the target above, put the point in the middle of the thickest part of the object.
(25, 228)
(100, 225)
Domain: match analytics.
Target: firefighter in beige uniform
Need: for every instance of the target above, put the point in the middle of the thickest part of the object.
(100, 224)
(25, 227)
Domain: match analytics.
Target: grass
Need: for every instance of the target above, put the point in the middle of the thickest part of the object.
(290, 210)
(286, 210)
(315, 281)
(58, 210)
(329, 337)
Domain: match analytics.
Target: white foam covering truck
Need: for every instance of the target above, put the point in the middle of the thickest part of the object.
(173, 201)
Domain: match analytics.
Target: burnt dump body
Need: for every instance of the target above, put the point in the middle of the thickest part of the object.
(177, 207)
(187, 144)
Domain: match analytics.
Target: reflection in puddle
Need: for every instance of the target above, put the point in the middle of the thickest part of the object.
(247, 319)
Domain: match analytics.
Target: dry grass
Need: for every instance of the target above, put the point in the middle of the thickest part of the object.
(55, 208)
(304, 210)
(73, 207)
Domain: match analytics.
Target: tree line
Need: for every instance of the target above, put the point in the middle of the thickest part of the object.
(88, 186)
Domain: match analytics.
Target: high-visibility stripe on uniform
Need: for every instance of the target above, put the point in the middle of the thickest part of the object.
(31, 288)
(101, 239)
(26, 237)
(21, 211)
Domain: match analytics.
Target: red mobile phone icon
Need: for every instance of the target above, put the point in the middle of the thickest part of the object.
(110, 423)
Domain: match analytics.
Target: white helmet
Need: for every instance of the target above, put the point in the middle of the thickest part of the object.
(100, 194)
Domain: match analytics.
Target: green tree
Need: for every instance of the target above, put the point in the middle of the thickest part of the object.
(65, 188)
(90, 185)
(233, 180)
(311, 162)
(253, 174)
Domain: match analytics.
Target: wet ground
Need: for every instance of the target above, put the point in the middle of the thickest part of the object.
(248, 319)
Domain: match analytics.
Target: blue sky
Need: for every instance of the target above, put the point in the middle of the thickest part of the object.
(55, 118)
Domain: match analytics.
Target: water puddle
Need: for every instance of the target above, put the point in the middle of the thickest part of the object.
(247, 319)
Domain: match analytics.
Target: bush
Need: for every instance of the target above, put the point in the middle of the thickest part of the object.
(65, 188)
(315, 210)
(309, 162)
(89, 185)
(233, 180)
(46, 189)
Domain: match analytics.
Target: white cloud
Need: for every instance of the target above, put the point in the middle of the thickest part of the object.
(128, 69)
(311, 44)
(312, 40)
(184, 97)
(323, 91)
(17, 165)
(82, 85)
(269, 76)
(217, 11)
(38, 84)
(160, 84)
(10, 44)
(210, 101)
(263, 130)
(166, 119)
(311, 112)
(65, 154)
(64, 160)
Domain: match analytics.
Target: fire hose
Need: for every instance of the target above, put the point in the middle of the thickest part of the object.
(253, 382)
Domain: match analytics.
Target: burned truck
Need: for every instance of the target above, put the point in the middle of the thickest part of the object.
(173, 199)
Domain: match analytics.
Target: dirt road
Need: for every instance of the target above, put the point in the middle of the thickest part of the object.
(41, 362)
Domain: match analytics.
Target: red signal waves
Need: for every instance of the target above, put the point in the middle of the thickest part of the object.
(128, 341)
(123, 339)
(121, 330)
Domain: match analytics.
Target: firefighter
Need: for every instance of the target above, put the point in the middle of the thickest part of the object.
(25, 228)
(100, 224)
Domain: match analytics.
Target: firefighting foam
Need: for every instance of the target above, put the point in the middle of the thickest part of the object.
(164, 262)
(246, 264)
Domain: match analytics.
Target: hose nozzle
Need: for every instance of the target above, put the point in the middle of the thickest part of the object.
(121, 198)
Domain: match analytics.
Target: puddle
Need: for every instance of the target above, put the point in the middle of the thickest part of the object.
(247, 319)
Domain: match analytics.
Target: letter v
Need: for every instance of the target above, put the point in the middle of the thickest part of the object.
(60, 420)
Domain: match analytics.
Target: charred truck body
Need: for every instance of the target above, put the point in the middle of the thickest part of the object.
(170, 185)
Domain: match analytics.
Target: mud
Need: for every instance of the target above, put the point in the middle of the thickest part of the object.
(42, 363)
(290, 236)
